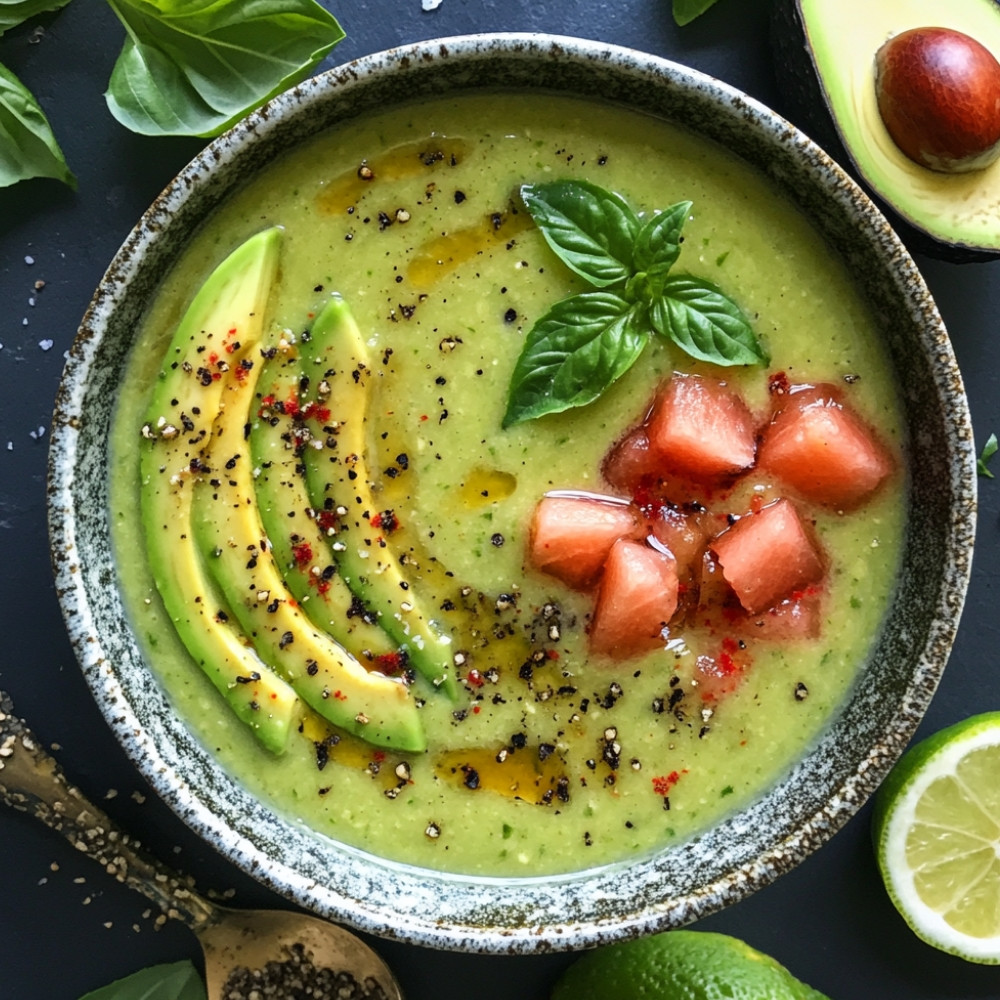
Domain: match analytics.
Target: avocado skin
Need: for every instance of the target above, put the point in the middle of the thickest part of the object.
(799, 79)
(335, 352)
(185, 399)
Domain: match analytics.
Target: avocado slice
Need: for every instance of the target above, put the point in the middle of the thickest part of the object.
(825, 54)
(300, 546)
(231, 538)
(340, 482)
(218, 332)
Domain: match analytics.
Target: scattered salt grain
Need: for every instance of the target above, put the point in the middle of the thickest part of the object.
(430, 4)
(29, 260)
(36, 434)
(46, 345)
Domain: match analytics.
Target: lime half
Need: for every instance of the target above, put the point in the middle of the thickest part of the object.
(937, 838)
(680, 965)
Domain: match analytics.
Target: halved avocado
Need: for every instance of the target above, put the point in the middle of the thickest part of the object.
(825, 54)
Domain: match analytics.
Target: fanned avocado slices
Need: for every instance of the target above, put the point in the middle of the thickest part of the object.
(301, 547)
(215, 337)
(231, 538)
(339, 479)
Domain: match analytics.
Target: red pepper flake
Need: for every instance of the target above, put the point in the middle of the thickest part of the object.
(232, 346)
(213, 358)
(423, 416)
(778, 384)
(664, 784)
(378, 756)
(386, 520)
(756, 503)
(216, 376)
(475, 710)
(321, 585)
(303, 554)
(268, 400)
(339, 695)
(552, 654)
(327, 520)
(313, 411)
(475, 678)
(390, 663)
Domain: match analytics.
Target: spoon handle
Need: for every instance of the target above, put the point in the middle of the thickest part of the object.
(32, 781)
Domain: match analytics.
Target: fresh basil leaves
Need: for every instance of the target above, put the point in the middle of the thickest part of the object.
(989, 450)
(27, 146)
(188, 67)
(195, 67)
(586, 342)
(173, 981)
(686, 11)
(13, 12)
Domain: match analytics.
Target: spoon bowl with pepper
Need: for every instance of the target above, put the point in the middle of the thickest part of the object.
(247, 952)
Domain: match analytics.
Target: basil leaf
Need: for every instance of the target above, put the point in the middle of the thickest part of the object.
(703, 321)
(685, 11)
(592, 230)
(658, 243)
(989, 450)
(574, 353)
(27, 146)
(195, 67)
(173, 981)
(14, 12)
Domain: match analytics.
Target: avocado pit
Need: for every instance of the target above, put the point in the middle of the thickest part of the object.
(938, 94)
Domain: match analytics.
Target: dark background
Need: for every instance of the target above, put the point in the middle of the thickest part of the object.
(66, 927)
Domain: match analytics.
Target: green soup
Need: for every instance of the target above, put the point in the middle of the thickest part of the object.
(550, 760)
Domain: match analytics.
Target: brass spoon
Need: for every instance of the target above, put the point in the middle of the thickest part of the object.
(236, 943)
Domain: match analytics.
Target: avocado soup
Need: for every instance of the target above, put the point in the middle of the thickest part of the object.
(548, 759)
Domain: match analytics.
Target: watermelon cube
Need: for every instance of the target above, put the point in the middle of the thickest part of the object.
(701, 428)
(820, 447)
(572, 534)
(768, 556)
(636, 599)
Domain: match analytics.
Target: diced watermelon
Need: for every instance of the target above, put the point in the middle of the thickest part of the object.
(700, 427)
(682, 534)
(572, 534)
(767, 556)
(796, 617)
(636, 598)
(629, 465)
(821, 448)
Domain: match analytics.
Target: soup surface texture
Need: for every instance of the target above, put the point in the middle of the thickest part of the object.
(551, 759)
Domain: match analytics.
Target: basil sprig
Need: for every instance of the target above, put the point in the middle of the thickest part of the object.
(195, 67)
(583, 344)
(28, 147)
(14, 12)
(173, 981)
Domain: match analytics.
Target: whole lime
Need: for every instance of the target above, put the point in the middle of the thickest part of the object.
(680, 965)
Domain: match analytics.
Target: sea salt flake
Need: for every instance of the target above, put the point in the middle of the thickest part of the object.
(430, 4)
(46, 345)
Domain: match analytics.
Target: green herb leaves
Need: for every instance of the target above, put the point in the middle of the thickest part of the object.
(989, 450)
(27, 146)
(173, 981)
(583, 344)
(686, 11)
(195, 67)
(13, 12)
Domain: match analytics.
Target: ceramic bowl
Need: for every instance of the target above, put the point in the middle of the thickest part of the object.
(681, 883)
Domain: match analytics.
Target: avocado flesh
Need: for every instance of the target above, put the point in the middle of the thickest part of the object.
(952, 215)
(232, 541)
(340, 480)
(219, 329)
(300, 546)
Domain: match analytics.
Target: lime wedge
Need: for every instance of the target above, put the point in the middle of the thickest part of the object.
(680, 965)
(937, 838)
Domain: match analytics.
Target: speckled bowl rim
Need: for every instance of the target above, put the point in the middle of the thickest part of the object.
(679, 884)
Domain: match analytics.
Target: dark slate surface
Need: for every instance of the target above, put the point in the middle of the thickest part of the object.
(66, 928)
